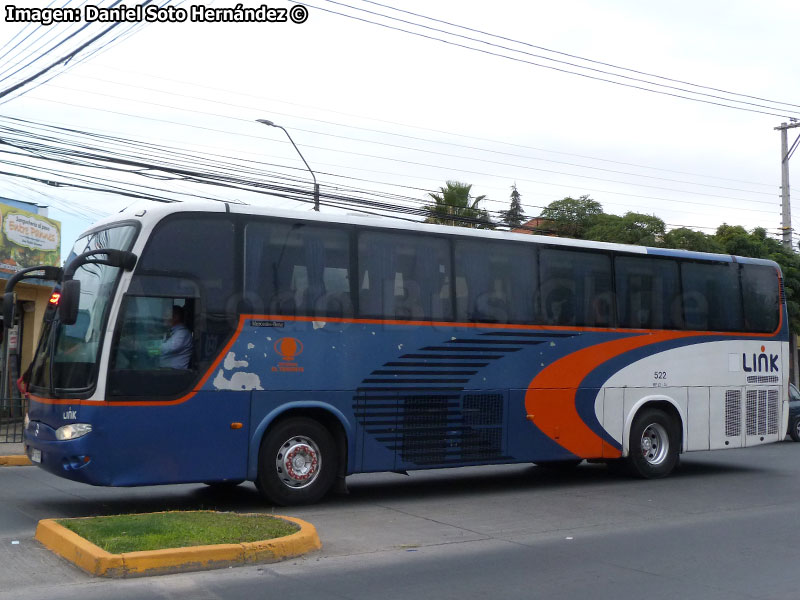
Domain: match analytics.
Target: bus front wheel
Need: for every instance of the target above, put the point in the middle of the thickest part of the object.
(297, 462)
(654, 444)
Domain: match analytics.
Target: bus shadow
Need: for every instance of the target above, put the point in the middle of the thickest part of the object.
(370, 488)
(186, 497)
(510, 479)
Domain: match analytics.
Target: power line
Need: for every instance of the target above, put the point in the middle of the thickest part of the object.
(295, 194)
(539, 56)
(477, 148)
(414, 200)
(566, 71)
(440, 167)
(389, 122)
(589, 60)
(64, 58)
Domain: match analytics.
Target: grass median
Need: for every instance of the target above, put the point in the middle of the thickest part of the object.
(157, 531)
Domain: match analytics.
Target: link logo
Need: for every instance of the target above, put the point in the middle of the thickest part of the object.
(760, 363)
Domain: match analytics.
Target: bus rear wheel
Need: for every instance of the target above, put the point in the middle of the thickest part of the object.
(297, 462)
(654, 444)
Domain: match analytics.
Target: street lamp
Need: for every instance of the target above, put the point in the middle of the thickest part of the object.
(316, 185)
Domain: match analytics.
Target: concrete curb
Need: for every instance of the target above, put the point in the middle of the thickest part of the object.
(17, 460)
(98, 562)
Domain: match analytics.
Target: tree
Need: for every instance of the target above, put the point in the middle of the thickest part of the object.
(571, 217)
(757, 244)
(514, 216)
(736, 240)
(453, 205)
(684, 238)
(631, 228)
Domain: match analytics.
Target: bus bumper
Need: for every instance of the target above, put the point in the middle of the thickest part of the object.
(71, 459)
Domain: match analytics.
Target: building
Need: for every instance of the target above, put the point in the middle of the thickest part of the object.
(536, 225)
(27, 238)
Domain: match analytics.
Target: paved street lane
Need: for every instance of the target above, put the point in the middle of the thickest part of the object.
(724, 526)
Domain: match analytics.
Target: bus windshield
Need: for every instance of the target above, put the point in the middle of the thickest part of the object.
(67, 355)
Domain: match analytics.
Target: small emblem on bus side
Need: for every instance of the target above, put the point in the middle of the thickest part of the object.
(257, 323)
(288, 348)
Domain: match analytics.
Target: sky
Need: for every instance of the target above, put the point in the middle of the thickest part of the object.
(387, 111)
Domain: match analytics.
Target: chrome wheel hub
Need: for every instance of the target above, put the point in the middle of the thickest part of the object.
(298, 462)
(655, 444)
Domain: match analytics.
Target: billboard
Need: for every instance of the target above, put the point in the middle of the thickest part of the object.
(27, 240)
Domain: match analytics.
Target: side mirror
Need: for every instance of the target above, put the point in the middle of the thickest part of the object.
(68, 302)
(8, 309)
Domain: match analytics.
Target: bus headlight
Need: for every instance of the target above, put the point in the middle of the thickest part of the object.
(72, 431)
(26, 421)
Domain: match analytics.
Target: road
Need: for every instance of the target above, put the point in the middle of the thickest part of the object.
(726, 525)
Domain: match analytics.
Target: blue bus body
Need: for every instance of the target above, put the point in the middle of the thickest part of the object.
(400, 395)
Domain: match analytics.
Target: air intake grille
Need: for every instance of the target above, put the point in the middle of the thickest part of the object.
(483, 409)
(733, 413)
(763, 379)
(762, 412)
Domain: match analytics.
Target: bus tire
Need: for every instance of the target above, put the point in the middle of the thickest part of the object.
(297, 462)
(654, 444)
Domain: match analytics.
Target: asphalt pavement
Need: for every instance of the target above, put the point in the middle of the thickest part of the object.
(723, 526)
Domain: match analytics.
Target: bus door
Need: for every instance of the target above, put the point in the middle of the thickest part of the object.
(185, 430)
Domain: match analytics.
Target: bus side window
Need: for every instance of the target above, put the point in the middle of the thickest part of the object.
(403, 276)
(298, 269)
(712, 296)
(761, 296)
(154, 351)
(570, 283)
(179, 266)
(496, 282)
(646, 292)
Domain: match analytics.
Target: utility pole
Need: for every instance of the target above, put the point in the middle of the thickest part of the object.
(786, 154)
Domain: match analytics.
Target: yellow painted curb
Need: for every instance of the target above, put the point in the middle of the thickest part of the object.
(96, 561)
(16, 460)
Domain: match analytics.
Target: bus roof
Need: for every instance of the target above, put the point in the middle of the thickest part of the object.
(151, 213)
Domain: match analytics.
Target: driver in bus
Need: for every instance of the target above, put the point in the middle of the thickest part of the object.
(176, 349)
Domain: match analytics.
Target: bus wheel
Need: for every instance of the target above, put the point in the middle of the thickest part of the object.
(297, 463)
(654, 444)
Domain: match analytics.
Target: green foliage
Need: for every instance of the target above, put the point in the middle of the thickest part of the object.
(453, 205)
(631, 228)
(684, 238)
(514, 216)
(156, 531)
(584, 218)
(572, 217)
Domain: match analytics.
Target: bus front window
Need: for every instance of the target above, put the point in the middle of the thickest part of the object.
(67, 357)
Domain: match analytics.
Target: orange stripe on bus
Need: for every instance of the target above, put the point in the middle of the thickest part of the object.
(550, 399)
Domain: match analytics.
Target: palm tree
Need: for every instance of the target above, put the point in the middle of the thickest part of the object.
(453, 205)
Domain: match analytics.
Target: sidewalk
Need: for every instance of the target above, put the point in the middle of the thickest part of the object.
(12, 449)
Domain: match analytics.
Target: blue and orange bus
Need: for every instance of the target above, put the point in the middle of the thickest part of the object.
(322, 346)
